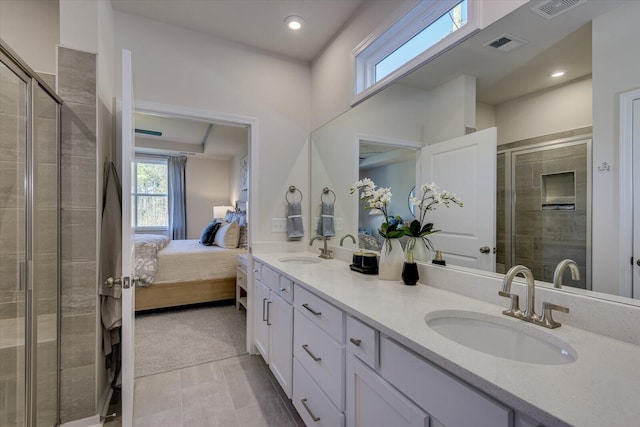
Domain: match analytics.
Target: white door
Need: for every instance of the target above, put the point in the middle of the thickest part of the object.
(636, 199)
(128, 287)
(280, 316)
(261, 331)
(465, 166)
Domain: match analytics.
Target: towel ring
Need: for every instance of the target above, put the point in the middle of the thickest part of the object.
(292, 189)
(325, 191)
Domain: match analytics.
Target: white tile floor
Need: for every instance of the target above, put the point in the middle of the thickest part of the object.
(239, 391)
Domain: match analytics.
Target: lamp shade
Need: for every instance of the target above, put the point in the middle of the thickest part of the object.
(221, 211)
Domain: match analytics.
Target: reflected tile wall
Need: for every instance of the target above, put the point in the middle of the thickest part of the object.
(77, 87)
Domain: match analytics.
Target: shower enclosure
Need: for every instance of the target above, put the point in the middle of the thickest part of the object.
(544, 208)
(29, 246)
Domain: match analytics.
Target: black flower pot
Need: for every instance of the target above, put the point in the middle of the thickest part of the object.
(410, 273)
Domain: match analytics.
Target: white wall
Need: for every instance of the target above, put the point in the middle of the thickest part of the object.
(485, 116)
(451, 109)
(545, 112)
(332, 71)
(31, 28)
(207, 184)
(615, 71)
(176, 66)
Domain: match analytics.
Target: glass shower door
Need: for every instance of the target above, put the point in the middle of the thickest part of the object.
(13, 143)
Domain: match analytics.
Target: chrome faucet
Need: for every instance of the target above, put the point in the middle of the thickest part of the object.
(559, 272)
(529, 314)
(345, 236)
(324, 252)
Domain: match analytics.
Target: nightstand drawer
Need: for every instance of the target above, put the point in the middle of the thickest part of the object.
(320, 312)
(363, 342)
(271, 278)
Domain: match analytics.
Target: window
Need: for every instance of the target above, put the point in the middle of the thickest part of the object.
(423, 32)
(151, 193)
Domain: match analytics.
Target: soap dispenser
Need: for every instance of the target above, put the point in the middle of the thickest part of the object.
(410, 270)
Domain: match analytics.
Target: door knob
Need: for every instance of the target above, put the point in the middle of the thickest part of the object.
(638, 262)
(485, 250)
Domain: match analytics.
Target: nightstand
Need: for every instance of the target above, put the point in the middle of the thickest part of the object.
(241, 282)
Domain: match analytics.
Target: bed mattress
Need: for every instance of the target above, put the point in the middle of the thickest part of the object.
(188, 260)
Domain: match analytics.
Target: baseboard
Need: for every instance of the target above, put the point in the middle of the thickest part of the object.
(92, 421)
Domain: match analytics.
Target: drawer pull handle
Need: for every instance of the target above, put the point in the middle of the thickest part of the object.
(268, 315)
(355, 342)
(313, 417)
(317, 313)
(283, 289)
(313, 356)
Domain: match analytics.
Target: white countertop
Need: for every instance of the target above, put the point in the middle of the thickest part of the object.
(601, 388)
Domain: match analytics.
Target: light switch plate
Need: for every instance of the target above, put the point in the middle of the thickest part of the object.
(278, 225)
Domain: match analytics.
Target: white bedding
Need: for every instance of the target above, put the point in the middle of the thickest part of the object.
(188, 260)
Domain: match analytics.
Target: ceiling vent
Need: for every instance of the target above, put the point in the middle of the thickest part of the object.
(551, 9)
(506, 43)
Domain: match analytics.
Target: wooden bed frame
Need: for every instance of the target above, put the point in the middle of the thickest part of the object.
(162, 295)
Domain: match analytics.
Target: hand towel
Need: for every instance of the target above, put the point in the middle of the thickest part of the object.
(295, 228)
(326, 226)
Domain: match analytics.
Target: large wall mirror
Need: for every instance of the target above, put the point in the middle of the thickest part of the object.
(543, 202)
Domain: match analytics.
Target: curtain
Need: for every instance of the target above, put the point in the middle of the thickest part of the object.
(177, 197)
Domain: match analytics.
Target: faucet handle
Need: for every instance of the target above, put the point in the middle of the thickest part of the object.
(547, 318)
(514, 308)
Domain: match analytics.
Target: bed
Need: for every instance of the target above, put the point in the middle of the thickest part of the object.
(182, 272)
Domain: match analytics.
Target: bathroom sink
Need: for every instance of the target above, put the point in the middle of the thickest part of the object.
(515, 340)
(300, 260)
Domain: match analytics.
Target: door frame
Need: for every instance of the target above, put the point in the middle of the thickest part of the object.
(149, 107)
(626, 191)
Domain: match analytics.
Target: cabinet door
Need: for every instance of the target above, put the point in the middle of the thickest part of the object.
(260, 319)
(281, 341)
(372, 402)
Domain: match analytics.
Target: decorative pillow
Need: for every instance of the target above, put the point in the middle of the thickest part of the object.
(229, 216)
(241, 218)
(242, 240)
(227, 235)
(209, 232)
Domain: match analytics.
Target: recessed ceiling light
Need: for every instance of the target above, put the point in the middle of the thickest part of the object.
(558, 73)
(294, 22)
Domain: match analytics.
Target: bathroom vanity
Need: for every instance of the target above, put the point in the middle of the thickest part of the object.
(353, 350)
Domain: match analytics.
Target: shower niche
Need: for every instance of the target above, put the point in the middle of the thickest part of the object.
(558, 191)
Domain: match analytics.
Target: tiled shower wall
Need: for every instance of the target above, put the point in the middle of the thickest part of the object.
(77, 88)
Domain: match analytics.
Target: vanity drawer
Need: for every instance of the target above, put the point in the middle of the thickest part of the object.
(320, 312)
(446, 398)
(271, 278)
(285, 290)
(362, 341)
(321, 356)
(312, 405)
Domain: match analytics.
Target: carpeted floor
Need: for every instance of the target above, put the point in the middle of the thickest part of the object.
(177, 338)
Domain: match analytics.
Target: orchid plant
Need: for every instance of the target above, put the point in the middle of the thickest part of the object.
(432, 197)
(379, 198)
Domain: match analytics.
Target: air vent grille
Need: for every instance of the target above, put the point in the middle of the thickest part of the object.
(506, 42)
(553, 8)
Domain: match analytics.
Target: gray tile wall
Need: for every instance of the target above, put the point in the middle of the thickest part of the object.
(77, 87)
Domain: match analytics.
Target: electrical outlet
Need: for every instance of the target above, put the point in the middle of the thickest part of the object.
(278, 225)
(338, 222)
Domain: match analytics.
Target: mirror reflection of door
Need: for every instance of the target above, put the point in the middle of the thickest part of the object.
(392, 166)
(636, 199)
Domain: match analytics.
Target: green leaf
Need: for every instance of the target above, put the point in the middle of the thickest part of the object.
(427, 228)
(414, 227)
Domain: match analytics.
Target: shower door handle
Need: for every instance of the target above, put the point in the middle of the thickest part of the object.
(21, 276)
(485, 250)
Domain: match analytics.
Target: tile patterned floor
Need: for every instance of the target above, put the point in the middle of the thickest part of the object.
(235, 392)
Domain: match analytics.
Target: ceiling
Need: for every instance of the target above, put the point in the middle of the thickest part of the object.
(255, 23)
(190, 137)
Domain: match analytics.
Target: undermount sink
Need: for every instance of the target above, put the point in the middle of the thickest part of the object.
(501, 337)
(300, 260)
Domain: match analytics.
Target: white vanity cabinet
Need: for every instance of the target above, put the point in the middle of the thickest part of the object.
(273, 331)
(372, 402)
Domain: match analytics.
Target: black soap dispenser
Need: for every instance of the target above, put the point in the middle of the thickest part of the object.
(410, 270)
